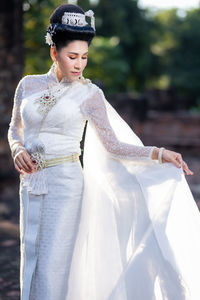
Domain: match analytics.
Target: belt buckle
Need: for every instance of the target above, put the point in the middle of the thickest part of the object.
(39, 160)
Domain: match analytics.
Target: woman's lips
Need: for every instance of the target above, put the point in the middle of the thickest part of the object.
(76, 73)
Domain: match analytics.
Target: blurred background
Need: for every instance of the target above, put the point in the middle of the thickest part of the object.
(146, 58)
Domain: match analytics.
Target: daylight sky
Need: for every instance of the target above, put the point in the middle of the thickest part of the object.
(160, 4)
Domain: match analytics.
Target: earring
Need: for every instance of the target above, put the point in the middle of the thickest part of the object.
(54, 66)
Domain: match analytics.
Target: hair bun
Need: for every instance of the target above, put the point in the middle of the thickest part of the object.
(68, 23)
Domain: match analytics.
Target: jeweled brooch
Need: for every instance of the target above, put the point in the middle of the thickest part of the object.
(38, 159)
(46, 102)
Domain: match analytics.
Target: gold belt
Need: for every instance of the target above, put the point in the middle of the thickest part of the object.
(60, 160)
(45, 163)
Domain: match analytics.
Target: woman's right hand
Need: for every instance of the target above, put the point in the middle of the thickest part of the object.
(23, 163)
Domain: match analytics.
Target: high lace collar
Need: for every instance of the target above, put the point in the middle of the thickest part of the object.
(52, 76)
(53, 79)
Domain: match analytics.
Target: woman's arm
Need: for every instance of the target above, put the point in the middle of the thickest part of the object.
(20, 156)
(15, 133)
(94, 110)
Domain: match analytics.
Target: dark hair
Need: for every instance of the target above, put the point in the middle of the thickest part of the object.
(63, 34)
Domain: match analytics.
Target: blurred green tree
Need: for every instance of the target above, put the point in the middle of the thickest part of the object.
(123, 20)
(120, 55)
(36, 19)
(134, 49)
(178, 45)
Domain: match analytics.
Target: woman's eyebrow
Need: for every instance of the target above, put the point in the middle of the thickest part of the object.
(77, 53)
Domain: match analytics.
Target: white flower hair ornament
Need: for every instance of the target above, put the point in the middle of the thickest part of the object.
(90, 14)
(50, 32)
(48, 39)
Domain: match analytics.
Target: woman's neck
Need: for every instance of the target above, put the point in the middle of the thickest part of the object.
(59, 75)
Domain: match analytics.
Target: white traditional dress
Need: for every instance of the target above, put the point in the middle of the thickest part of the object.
(122, 228)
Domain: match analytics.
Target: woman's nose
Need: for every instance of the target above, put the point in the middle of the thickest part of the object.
(78, 64)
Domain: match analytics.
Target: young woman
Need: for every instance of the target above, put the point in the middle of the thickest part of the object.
(125, 226)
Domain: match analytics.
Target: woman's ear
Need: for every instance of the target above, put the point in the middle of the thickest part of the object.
(53, 53)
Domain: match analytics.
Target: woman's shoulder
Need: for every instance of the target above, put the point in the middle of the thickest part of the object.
(91, 85)
(33, 78)
(94, 93)
(34, 81)
(31, 83)
(96, 89)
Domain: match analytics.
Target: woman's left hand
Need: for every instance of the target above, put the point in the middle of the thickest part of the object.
(176, 159)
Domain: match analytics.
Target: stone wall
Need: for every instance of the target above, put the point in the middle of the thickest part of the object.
(177, 131)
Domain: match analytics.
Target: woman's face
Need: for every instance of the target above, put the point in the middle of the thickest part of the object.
(71, 60)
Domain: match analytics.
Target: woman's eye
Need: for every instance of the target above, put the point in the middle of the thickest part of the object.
(75, 57)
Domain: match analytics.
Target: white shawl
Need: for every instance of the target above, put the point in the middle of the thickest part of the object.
(138, 236)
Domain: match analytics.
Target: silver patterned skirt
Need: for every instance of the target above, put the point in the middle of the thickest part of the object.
(48, 230)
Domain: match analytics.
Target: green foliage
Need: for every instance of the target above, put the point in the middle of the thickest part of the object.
(36, 20)
(107, 64)
(178, 45)
(124, 20)
(134, 49)
(120, 54)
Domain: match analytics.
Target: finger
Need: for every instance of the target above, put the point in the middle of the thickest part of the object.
(188, 172)
(179, 160)
(185, 166)
(176, 163)
(28, 160)
(24, 165)
(20, 166)
(186, 169)
(29, 163)
(18, 169)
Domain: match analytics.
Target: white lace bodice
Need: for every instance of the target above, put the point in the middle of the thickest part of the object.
(62, 129)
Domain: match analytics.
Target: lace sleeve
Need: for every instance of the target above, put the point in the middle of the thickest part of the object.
(15, 132)
(94, 110)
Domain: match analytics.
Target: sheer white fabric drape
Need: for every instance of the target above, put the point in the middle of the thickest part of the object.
(139, 230)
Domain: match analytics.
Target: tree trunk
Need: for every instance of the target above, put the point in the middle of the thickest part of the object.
(11, 69)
